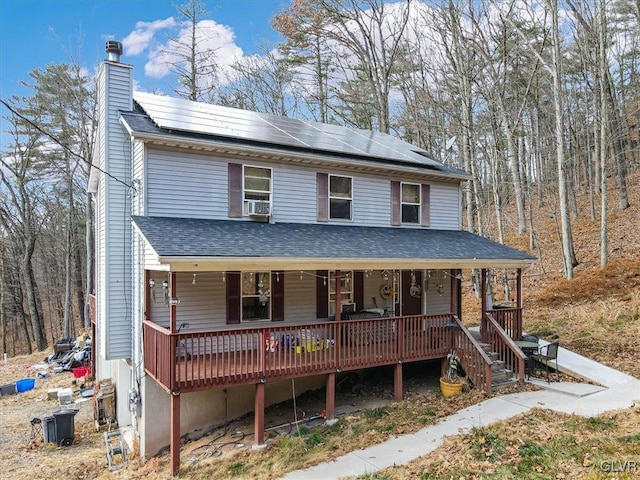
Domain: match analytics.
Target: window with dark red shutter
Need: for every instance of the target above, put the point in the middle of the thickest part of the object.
(235, 190)
(322, 187)
(395, 203)
(277, 296)
(232, 281)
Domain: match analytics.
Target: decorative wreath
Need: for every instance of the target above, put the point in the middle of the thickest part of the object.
(386, 291)
(414, 290)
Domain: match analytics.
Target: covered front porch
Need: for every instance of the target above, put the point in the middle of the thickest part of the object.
(183, 360)
(250, 303)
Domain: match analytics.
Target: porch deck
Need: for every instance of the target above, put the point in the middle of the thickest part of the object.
(254, 354)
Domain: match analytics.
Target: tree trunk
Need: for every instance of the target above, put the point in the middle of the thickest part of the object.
(565, 219)
(29, 282)
(90, 244)
(604, 124)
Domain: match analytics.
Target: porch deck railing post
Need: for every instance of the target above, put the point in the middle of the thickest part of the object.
(401, 345)
(483, 300)
(338, 346)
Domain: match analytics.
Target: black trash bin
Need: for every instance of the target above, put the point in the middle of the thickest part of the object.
(65, 426)
(49, 430)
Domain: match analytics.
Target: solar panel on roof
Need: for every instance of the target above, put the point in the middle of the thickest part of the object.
(184, 115)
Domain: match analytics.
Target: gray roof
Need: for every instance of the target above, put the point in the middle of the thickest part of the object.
(187, 237)
(180, 118)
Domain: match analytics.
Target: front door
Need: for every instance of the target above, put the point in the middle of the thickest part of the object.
(411, 292)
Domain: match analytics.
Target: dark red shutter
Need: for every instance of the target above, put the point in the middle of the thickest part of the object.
(277, 296)
(396, 216)
(233, 297)
(425, 207)
(235, 190)
(358, 290)
(322, 294)
(322, 187)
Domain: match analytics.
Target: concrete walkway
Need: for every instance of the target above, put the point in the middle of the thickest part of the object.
(604, 389)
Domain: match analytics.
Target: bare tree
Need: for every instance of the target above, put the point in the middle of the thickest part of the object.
(193, 61)
(370, 39)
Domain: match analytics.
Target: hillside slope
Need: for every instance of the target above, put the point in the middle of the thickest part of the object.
(597, 313)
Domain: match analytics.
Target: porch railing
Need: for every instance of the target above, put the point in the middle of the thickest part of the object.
(195, 360)
(505, 347)
(510, 319)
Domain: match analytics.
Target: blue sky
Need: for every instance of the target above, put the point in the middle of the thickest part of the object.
(34, 33)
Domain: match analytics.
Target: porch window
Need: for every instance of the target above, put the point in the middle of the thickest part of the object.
(410, 203)
(256, 296)
(346, 290)
(256, 190)
(340, 197)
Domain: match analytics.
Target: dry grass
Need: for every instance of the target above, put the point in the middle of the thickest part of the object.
(537, 445)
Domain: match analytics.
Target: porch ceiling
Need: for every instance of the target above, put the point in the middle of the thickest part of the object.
(186, 244)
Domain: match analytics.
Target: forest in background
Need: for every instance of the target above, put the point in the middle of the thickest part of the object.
(539, 102)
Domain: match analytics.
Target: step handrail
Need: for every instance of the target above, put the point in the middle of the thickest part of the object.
(476, 362)
(514, 359)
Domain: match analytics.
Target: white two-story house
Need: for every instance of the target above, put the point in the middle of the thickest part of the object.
(237, 252)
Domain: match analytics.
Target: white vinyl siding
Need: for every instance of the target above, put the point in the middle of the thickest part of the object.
(299, 297)
(202, 305)
(186, 185)
(138, 180)
(192, 185)
(113, 242)
(445, 206)
(438, 302)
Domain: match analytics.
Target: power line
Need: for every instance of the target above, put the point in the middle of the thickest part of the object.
(65, 147)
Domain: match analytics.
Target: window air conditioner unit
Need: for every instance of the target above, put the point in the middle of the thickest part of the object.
(257, 208)
(348, 307)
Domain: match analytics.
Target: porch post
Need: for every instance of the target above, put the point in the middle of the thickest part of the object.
(338, 296)
(172, 308)
(175, 434)
(453, 301)
(483, 300)
(330, 410)
(519, 304)
(519, 289)
(147, 295)
(397, 382)
(258, 417)
(175, 393)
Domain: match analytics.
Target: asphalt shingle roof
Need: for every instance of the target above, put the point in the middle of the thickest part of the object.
(187, 237)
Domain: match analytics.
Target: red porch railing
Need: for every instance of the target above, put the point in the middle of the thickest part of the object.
(504, 346)
(510, 319)
(473, 358)
(241, 355)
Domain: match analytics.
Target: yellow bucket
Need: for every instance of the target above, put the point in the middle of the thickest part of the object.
(449, 389)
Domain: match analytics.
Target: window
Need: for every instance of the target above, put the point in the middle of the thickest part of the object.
(340, 197)
(410, 203)
(346, 289)
(256, 190)
(256, 296)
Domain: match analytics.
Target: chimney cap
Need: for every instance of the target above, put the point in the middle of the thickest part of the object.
(114, 49)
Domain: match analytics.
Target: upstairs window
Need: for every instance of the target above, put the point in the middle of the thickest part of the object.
(256, 190)
(340, 197)
(411, 203)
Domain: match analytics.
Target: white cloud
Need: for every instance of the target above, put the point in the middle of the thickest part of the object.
(140, 39)
(211, 36)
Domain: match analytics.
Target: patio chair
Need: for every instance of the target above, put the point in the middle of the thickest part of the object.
(545, 354)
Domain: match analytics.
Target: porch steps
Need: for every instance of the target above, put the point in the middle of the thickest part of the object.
(501, 377)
